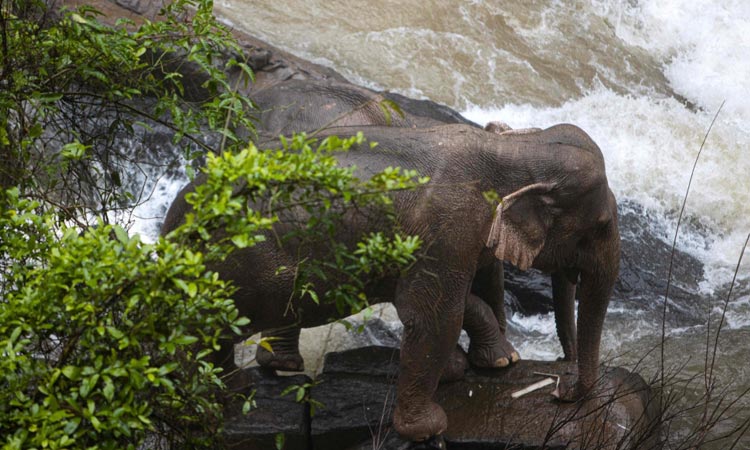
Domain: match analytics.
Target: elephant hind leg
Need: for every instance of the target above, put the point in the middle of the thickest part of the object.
(455, 367)
(285, 355)
(488, 347)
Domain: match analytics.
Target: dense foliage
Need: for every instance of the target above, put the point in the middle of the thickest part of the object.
(105, 340)
(71, 89)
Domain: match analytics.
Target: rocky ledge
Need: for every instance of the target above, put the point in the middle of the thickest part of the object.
(354, 398)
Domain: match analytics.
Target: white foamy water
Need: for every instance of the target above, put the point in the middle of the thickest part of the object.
(705, 45)
(650, 142)
(147, 217)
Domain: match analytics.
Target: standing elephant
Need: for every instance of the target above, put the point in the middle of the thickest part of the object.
(557, 214)
(313, 105)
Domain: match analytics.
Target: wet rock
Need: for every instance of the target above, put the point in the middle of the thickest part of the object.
(358, 391)
(482, 413)
(273, 414)
(644, 269)
(147, 8)
(528, 292)
(361, 361)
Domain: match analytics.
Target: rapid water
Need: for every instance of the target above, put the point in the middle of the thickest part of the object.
(643, 77)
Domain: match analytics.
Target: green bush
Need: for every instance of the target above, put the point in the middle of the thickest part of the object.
(72, 90)
(105, 340)
(98, 336)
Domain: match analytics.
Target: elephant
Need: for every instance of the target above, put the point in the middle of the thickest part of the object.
(312, 105)
(557, 214)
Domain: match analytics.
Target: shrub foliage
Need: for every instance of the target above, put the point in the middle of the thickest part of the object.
(105, 340)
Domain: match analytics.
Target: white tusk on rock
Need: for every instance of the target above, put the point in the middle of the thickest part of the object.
(533, 387)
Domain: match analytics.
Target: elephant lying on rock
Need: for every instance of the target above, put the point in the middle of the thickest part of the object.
(557, 214)
(310, 105)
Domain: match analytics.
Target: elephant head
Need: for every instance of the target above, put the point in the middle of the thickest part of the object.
(563, 220)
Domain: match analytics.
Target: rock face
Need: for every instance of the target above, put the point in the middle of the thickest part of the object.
(274, 415)
(357, 390)
(645, 267)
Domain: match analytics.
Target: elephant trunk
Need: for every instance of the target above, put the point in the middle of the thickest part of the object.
(597, 284)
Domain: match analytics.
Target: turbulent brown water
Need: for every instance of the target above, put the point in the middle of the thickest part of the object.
(643, 77)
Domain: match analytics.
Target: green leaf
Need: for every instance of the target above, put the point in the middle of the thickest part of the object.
(77, 18)
(266, 345)
(121, 234)
(115, 333)
(72, 372)
(280, 441)
(185, 340)
(241, 241)
(109, 390)
(74, 151)
(72, 425)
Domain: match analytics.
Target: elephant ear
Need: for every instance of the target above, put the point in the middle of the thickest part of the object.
(520, 226)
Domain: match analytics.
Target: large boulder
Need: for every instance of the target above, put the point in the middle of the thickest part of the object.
(274, 415)
(356, 391)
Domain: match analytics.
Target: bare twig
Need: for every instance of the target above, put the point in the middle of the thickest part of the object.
(674, 245)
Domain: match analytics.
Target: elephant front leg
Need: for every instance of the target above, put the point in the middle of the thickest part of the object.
(563, 300)
(488, 347)
(431, 308)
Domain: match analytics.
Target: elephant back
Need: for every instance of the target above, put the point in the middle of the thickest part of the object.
(305, 105)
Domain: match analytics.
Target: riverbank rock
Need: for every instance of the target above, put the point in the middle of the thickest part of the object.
(272, 416)
(357, 392)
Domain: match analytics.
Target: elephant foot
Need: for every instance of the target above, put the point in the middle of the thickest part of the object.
(492, 356)
(455, 367)
(280, 360)
(422, 424)
(569, 389)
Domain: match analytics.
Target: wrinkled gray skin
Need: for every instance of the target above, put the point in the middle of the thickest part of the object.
(557, 215)
(310, 105)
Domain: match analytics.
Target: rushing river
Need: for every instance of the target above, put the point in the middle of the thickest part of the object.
(643, 77)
